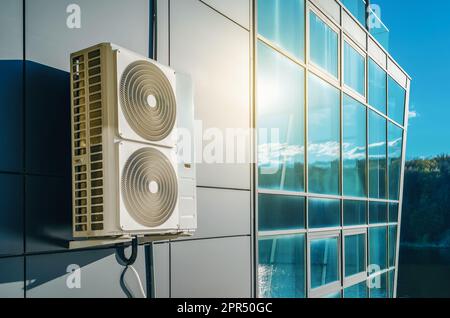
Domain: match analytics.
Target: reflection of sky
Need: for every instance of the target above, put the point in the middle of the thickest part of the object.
(279, 153)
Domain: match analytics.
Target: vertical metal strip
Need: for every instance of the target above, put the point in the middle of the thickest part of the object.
(24, 129)
(402, 180)
(254, 156)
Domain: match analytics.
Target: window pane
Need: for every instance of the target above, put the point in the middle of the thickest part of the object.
(354, 148)
(377, 87)
(392, 245)
(323, 45)
(377, 156)
(377, 247)
(323, 137)
(354, 69)
(355, 254)
(377, 212)
(280, 122)
(358, 9)
(324, 213)
(355, 213)
(395, 160)
(282, 267)
(356, 291)
(393, 213)
(280, 212)
(283, 23)
(396, 101)
(379, 287)
(324, 262)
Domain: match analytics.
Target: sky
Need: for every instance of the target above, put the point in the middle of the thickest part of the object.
(420, 43)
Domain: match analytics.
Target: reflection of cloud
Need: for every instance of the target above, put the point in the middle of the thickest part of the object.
(277, 153)
(325, 151)
(413, 114)
(353, 152)
(280, 153)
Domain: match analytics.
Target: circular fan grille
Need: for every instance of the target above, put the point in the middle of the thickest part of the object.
(148, 100)
(149, 187)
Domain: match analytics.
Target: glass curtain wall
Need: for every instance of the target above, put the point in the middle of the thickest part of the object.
(329, 155)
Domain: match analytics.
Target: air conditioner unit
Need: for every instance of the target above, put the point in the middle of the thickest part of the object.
(128, 178)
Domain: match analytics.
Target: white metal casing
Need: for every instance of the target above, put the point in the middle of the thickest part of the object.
(118, 143)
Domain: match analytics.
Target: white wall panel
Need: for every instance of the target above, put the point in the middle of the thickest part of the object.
(236, 10)
(354, 30)
(49, 41)
(223, 213)
(100, 275)
(397, 73)
(215, 52)
(11, 47)
(162, 31)
(161, 270)
(211, 268)
(330, 7)
(377, 53)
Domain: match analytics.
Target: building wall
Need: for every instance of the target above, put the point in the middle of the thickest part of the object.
(35, 168)
(209, 39)
(35, 196)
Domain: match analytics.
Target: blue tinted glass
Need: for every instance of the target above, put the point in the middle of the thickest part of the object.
(283, 23)
(355, 213)
(280, 212)
(392, 244)
(395, 160)
(358, 9)
(355, 254)
(356, 291)
(324, 262)
(282, 267)
(323, 45)
(377, 156)
(323, 137)
(393, 213)
(377, 212)
(354, 69)
(378, 247)
(378, 30)
(396, 101)
(377, 87)
(379, 286)
(281, 122)
(324, 213)
(354, 148)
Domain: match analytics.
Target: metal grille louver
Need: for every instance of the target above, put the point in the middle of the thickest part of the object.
(139, 81)
(145, 167)
(88, 149)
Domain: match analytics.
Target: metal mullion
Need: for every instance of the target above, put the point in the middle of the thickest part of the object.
(402, 180)
(306, 150)
(254, 119)
(341, 141)
(268, 234)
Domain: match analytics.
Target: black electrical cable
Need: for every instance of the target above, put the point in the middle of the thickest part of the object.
(134, 253)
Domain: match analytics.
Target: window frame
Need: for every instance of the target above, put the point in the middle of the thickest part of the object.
(330, 288)
(336, 81)
(358, 277)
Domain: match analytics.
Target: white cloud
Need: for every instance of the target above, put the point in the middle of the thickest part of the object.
(413, 114)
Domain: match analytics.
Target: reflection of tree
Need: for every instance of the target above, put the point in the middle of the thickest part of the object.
(426, 204)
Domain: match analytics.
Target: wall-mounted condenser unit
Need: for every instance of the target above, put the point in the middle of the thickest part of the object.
(128, 178)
